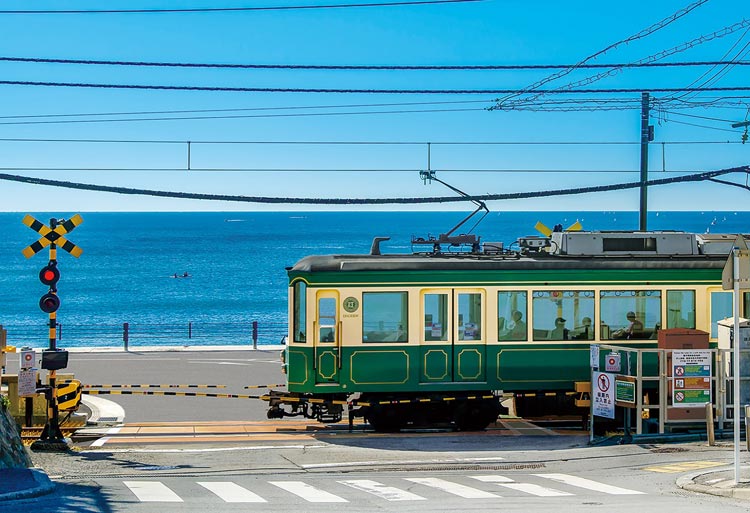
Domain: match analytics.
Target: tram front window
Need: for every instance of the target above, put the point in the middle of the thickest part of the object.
(299, 316)
(563, 315)
(630, 314)
(384, 316)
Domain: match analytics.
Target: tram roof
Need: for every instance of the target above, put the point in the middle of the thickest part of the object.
(567, 250)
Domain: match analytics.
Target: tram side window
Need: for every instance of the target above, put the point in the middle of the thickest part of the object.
(384, 316)
(680, 309)
(746, 305)
(469, 316)
(436, 317)
(630, 314)
(511, 315)
(721, 308)
(299, 315)
(563, 315)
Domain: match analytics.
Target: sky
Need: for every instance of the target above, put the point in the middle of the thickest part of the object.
(532, 150)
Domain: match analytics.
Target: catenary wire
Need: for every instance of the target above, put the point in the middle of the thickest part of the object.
(323, 170)
(371, 201)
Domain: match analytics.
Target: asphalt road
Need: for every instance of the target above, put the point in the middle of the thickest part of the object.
(233, 368)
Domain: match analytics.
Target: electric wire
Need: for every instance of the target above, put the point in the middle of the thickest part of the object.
(643, 33)
(322, 170)
(238, 9)
(371, 201)
(367, 67)
(361, 91)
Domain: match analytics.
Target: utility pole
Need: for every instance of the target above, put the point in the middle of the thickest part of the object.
(647, 135)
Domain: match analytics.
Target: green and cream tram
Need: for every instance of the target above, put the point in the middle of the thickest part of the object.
(431, 337)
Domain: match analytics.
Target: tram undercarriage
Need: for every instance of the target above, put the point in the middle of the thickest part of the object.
(391, 412)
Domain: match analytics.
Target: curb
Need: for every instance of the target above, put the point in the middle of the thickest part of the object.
(687, 483)
(43, 487)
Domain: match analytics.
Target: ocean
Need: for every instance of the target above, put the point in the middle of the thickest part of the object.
(236, 265)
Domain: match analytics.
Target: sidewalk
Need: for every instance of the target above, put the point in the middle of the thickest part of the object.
(22, 483)
(718, 482)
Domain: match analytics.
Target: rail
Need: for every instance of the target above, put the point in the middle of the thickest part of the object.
(143, 334)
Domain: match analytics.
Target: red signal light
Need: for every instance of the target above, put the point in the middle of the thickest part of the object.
(49, 275)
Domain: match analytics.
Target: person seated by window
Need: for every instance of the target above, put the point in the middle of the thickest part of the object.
(560, 332)
(518, 330)
(585, 331)
(633, 329)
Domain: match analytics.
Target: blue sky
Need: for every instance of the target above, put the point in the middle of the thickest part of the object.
(475, 33)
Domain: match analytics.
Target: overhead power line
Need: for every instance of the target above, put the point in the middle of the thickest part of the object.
(370, 201)
(369, 67)
(236, 9)
(367, 91)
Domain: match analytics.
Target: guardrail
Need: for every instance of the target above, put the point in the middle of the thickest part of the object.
(143, 334)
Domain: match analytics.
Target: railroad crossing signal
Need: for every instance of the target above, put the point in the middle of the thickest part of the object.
(52, 235)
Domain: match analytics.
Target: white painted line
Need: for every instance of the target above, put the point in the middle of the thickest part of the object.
(384, 492)
(152, 491)
(399, 462)
(533, 489)
(103, 440)
(231, 492)
(589, 484)
(466, 492)
(493, 479)
(215, 449)
(307, 492)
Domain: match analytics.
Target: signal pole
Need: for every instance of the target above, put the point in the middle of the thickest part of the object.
(647, 135)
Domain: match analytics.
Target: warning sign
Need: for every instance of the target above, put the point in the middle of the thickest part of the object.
(26, 382)
(603, 395)
(613, 362)
(691, 371)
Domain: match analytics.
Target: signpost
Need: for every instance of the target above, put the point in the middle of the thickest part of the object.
(52, 236)
(736, 277)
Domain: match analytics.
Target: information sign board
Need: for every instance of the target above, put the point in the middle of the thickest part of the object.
(594, 356)
(26, 382)
(603, 395)
(691, 372)
(625, 391)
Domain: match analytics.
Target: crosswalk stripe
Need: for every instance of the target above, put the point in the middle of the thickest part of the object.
(388, 493)
(307, 492)
(530, 488)
(589, 484)
(152, 491)
(466, 492)
(231, 492)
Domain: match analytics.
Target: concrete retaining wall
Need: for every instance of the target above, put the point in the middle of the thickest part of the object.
(12, 452)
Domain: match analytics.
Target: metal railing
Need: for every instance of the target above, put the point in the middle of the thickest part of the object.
(722, 379)
(144, 334)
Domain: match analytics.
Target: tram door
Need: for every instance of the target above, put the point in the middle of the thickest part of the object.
(452, 344)
(327, 339)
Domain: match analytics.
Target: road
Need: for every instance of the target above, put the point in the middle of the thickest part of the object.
(177, 454)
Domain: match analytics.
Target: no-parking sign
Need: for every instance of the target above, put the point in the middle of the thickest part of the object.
(28, 357)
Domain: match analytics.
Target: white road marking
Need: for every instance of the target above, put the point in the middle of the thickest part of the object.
(152, 491)
(379, 489)
(371, 463)
(466, 492)
(231, 492)
(215, 449)
(530, 488)
(589, 484)
(103, 440)
(307, 492)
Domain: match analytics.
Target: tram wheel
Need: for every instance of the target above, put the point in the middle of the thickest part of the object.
(475, 415)
(385, 419)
